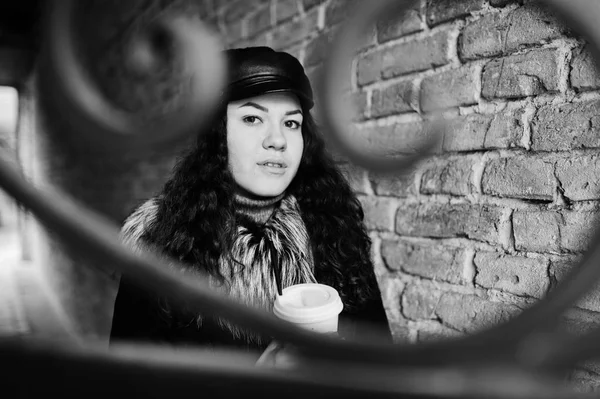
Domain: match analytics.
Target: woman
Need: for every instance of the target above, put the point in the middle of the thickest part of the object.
(257, 205)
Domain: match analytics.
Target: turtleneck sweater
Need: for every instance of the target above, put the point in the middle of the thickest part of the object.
(258, 209)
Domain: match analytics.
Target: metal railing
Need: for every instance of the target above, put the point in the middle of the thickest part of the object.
(518, 359)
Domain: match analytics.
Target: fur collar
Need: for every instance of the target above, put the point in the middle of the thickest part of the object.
(248, 271)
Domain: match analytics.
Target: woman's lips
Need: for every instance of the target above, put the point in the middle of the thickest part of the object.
(273, 167)
(274, 163)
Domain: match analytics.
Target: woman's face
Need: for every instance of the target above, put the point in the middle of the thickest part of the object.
(264, 142)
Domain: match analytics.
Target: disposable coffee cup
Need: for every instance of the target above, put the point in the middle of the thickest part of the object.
(312, 306)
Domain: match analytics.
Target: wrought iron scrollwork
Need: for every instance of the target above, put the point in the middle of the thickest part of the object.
(512, 360)
(71, 87)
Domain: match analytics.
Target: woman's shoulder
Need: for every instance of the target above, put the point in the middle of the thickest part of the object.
(140, 221)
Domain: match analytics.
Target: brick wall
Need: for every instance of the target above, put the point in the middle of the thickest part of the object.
(493, 221)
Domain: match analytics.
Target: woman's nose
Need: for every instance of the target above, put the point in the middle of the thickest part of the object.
(275, 138)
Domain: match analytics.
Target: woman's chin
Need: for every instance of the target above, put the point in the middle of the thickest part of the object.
(270, 193)
(268, 190)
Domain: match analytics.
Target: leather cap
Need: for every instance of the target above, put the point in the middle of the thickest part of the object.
(254, 71)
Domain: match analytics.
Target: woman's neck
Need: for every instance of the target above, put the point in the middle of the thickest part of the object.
(258, 209)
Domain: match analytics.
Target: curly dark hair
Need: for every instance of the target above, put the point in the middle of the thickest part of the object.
(196, 216)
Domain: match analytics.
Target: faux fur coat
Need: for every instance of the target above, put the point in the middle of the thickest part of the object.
(248, 276)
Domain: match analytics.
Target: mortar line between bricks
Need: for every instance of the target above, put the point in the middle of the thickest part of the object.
(450, 242)
(553, 44)
(453, 36)
(566, 153)
(565, 49)
(552, 281)
(478, 169)
(368, 184)
(549, 99)
(586, 96)
(423, 14)
(559, 192)
(443, 286)
(418, 182)
(469, 272)
(415, 95)
(497, 295)
(510, 244)
(434, 279)
(369, 101)
(513, 296)
(411, 37)
(419, 74)
(376, 249)
(389, 120)
(458, 243)
(486, 200)
(354, 75)
(527, 119)
(401, 302)
(478, 71)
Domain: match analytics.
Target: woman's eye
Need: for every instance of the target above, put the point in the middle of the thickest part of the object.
(293, 124)
(251, 120)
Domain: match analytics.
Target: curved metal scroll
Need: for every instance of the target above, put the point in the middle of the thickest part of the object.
(103, 126)
(337, 71)
(350, 367)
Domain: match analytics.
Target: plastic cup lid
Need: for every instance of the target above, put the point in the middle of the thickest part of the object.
(308, 303)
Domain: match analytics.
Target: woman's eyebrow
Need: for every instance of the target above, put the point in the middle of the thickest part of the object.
(265, 109)
(255, 105)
